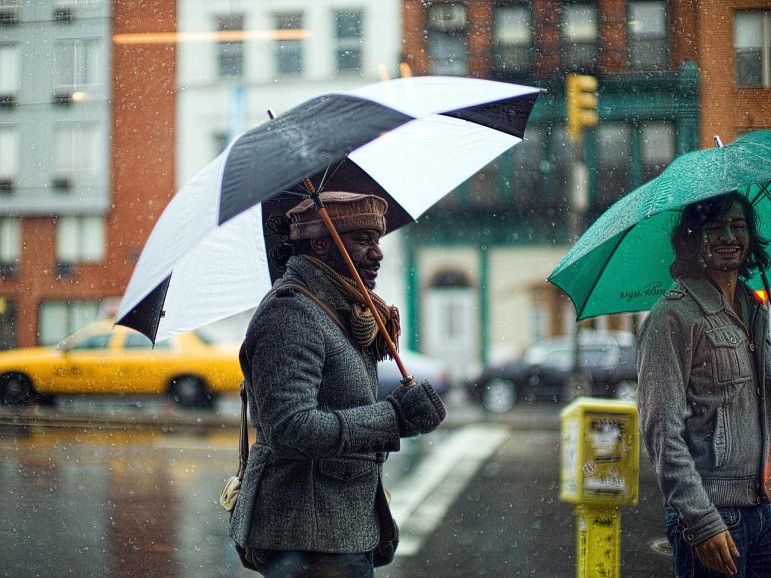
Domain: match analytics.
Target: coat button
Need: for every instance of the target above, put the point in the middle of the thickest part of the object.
(690, 536)
(733, 339)
(752, 347)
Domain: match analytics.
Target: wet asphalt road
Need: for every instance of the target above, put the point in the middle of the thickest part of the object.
(140, 498)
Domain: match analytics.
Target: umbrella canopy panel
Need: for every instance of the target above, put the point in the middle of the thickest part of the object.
(409, 140)
(621, 264)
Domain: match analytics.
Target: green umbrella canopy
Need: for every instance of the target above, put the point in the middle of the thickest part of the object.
(621, 263)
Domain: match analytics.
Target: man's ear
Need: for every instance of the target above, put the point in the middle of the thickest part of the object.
(320, 246)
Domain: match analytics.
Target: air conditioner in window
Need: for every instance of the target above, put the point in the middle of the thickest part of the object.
(62, 183)
(9, 15)
(7, 100)
(63, 14)
(62, 98)
(448, 17)
(6, 185)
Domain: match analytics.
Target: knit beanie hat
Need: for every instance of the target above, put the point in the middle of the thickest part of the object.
(348, 211)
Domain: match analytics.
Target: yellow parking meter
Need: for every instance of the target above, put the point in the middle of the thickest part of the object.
(599, 473)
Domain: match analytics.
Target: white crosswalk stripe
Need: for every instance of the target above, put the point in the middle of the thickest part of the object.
(420, 500)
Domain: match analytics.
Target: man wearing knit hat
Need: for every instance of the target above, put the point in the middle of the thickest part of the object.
(309, 499)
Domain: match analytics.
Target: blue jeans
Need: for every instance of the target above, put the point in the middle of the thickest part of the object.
(280, 564)
(750, 529)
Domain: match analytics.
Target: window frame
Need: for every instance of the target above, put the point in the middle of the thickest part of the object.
(353, 44)
(286, 50)
(10, 68)
(450, 33)
(764, 49)
(230, 54)
(499, 47)
(570, 50)
(646, 39)
(80, 239)
(71, 53)
(73, 315)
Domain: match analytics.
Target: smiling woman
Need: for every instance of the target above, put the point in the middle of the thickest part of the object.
(105, 359)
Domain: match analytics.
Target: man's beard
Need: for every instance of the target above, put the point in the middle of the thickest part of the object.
(337, 262)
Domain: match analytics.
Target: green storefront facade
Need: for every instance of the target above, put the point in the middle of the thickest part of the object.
(521, 201)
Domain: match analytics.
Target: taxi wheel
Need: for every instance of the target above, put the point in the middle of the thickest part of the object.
(190, 392)
(15, 389)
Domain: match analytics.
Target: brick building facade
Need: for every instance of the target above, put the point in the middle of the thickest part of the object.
(139, 168)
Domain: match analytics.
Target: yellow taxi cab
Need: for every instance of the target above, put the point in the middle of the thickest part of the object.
(103, 358)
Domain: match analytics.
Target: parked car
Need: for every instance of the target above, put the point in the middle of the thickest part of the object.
(607, 361)
(419, 366)
(106, 359)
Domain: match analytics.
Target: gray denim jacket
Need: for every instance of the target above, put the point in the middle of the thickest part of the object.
(701, 400)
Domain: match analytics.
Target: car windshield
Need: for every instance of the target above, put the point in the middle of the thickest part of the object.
(88, 342)
(549, 352)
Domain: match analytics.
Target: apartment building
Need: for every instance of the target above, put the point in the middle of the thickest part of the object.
(86, 156)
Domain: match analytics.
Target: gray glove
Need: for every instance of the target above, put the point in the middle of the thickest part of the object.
(418, 408)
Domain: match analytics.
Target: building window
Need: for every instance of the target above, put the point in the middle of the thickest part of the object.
(10, 72)
(76, 65)
(230, 54)
(76, 150)
(349, 32)
(10, 245)
(524, 181)
(752, 37)
(7, 323)
(80, 240)
(58, 319)
(512, 50)
(658, 147)
(647, 25)
(447, 43)
(9, 158)
(289, 57)
(579, 37)
(613, 177)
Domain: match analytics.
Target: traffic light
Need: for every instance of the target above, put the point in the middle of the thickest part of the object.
(581, 103)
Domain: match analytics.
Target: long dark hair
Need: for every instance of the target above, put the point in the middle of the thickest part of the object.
(687, 236)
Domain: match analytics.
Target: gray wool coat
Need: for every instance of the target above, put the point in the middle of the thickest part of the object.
(703, 398)
(322, 437)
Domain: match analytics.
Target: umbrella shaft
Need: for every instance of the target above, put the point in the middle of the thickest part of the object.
(362, 288)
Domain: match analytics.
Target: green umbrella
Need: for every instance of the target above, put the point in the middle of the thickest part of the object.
(621, 264)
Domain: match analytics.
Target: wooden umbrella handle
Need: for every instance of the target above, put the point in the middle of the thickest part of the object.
(406, 378)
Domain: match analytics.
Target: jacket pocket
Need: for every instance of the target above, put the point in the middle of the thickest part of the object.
(720, 438)
(731, 358)
(344, 469)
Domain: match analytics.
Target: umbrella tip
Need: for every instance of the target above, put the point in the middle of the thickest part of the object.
(718, 142)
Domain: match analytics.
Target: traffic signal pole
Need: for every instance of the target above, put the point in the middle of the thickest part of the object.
(581, 112)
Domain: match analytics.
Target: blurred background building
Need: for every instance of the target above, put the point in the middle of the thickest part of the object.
(108, 106)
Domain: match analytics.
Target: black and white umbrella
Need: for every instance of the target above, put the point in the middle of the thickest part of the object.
(410, 140)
